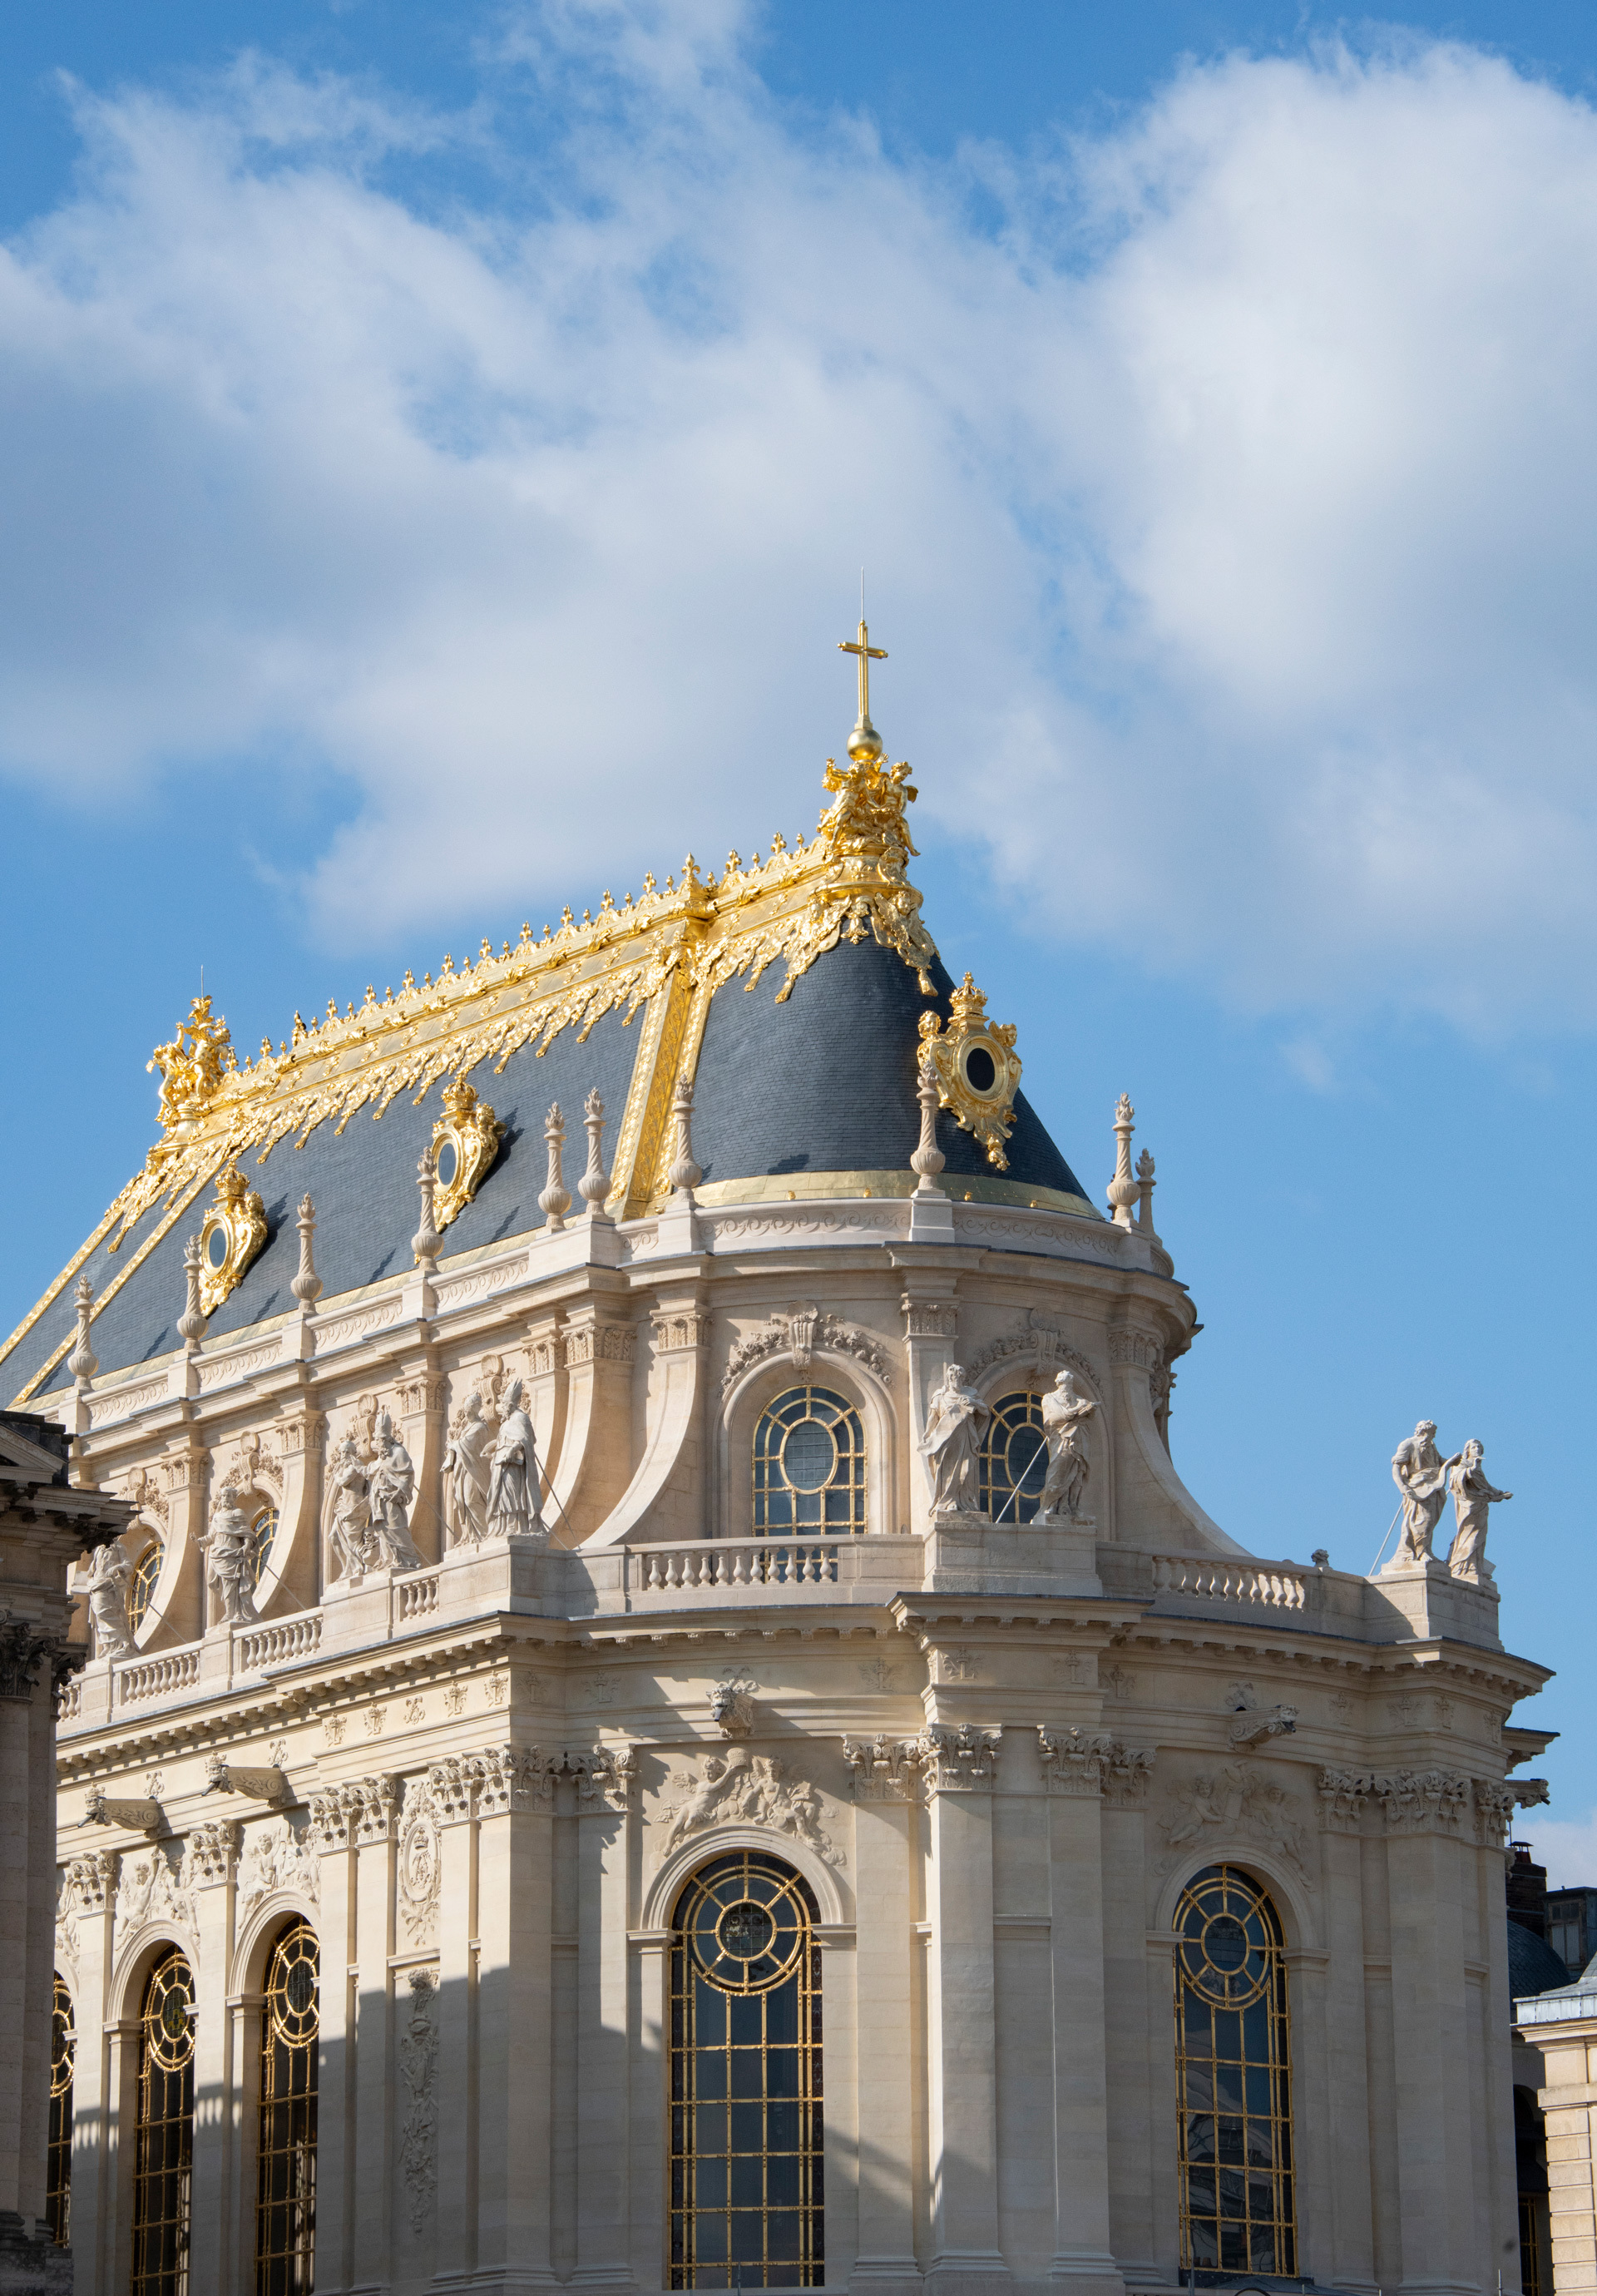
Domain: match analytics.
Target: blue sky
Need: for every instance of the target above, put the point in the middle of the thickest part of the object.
(439, 447)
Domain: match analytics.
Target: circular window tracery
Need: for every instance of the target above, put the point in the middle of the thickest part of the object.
(1014, 1458)
(809, 1465)
(263, 1530)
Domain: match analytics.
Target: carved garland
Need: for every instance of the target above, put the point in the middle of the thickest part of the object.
(799, 1334)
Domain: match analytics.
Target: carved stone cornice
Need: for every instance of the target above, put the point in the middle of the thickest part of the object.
(1036, 1338)
(1144, 1349)
(488, 1784)
(422, 1393)
(958, 1761)
(23, 1651)
(883, 1769)
(679, 1330)
(606, 1776)
(613, 1344)
(1343, 1797)
(1419, 1800)
(359, 1810)
(214, 1852)
(799, 1334)
(930, 1319)
(1083, 1762)
(1494, 1808)
(91, 1881)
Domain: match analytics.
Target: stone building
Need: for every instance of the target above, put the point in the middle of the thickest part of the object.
(675, 1724)
(46, 1523)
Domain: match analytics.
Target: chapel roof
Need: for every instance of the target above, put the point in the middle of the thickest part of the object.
(798, 993)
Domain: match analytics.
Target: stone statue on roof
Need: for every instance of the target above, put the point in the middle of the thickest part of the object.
(514, 1503)
(229, 1562)
(109, 1574)
(1065, 1412)
(957, 1420)
(1421, 1475)
(392, 1487)
(191, 1065)
(349, 1514)
(1473, 1498)
(466, 1467)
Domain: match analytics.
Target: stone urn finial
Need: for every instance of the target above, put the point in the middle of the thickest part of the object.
(555, 1200)
(595, 1183)
(306, 1285)
(1123, 1191)
(685, 1174)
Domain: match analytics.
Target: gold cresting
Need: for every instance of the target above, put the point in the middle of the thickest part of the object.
(668, 951)
(977, 1069)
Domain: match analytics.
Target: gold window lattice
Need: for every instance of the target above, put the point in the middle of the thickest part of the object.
(809, 1465)
(747, 2204)
(1234, 2076)
(141, 1587)
(285, 2211)
(58, 2165)
(163, 2152)
(1014, 1458)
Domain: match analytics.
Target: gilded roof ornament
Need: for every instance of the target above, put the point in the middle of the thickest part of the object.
(191, 1067)
(976, 1068)
(465, 1141)
(234, 1231)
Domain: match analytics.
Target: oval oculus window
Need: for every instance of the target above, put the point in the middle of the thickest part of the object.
(981, 1070)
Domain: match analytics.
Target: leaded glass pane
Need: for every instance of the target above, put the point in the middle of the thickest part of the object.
(1014, 1458)
(746, 2198)
(58, 2171)
(1234, 2077)
(809, 1465)
(286, 2214)
(164, 2150)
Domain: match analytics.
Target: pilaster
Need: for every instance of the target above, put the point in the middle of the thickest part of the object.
(180, 1595)
(931, 1336)
(1346, 2083)
(91, 1894)
(454, 1797)
(515, 1827)
(1076, 1770)
(374, 1806)
(1430, 2030)
(212, 1867)
(959, 1768)
(885, 1784)
(607, 1826)
(600, 1345)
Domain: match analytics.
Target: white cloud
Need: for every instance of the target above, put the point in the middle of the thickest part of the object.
(1566, 1846)
(1230, 508)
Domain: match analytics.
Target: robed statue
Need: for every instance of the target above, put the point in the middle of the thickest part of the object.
(392, 1488)
(109, 1576)
(957, 1420)
(1473, 1498)
(1421, 1475)
(1065, 1414)
(229, 1562)
(466, 1469)
(514, 1504)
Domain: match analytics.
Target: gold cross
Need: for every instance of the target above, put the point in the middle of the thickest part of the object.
(867, 653)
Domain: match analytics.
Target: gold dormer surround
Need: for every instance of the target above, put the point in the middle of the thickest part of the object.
(668, 952)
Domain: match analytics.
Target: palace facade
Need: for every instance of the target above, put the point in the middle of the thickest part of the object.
(664, 1718)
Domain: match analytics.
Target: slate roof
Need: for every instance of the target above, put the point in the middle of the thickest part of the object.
(788, 1089)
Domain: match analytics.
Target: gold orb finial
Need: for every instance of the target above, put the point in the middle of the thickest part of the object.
(864, 741)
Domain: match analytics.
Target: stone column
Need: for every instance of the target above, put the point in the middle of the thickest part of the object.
(607, 1825)
(650, 1948)
(1075, 1769)
(375, 1804)
(91, 1898)
(421, 1398)
(212, 1864)
(884, 1788)
(1137, 2033)
(25, 1981)
(454, 1792)
(1431, 2032)
(931, 1329)
(961, 2116)
(515, 1908)
(332, 1832)
(1346, 2082)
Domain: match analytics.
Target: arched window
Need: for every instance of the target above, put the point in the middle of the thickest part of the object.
(141, 1587)
(263, 1529)
(58, 2166)
(746, 2129)
(164, 2150)
(1233, 2074)
(809, 1465)
(1014, 1458)
(286, 2208)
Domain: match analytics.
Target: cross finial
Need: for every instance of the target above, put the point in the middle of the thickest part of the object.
(864, 741)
